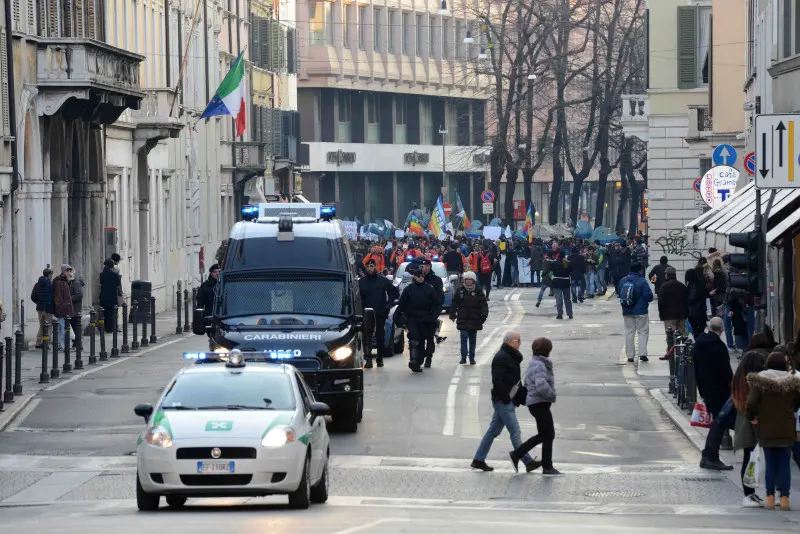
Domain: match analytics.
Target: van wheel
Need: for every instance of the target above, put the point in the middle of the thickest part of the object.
(319, 493)
(347, 421)
(300, 499)
(145, 502)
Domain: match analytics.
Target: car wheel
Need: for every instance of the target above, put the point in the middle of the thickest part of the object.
(347, 421)
(176, 501)
(300, 499)
(319, 493)
(399, 346)
(145, 502)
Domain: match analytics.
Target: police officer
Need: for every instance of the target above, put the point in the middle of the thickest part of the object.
(418, 311)
(378, 293)
(434, 280)
(206, 296)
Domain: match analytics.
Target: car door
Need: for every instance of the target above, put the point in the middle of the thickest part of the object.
(319, 433)
(308, 425)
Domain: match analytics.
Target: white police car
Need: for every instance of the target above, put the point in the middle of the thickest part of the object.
(227, 426)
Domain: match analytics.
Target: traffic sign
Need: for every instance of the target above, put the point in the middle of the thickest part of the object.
(696, 185)
(750, 163)
(724, 155)
(447, 210)
(777, 142)
(487, 195)
(718, 184)
(488, 208)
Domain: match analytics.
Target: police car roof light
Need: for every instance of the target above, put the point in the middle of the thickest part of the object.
(249, 213)
(235, 359)
(327, 212)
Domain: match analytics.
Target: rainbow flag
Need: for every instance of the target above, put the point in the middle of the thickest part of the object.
(527, 228)
(414, 227)
(465, 224)
(438, 224)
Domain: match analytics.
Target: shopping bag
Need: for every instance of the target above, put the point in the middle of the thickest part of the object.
(754, 472)
(700, 416)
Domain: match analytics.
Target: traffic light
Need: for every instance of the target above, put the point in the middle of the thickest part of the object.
(747, 283)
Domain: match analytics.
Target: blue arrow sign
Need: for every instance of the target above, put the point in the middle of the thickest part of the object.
(724, 155)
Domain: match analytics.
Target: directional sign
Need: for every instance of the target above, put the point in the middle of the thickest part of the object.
(447, 210)
(718, 184)
(750, 163)
(777, 142)
(487, 195)
(724, 155)
(488, 208)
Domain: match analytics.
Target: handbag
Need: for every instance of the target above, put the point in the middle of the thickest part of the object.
(700, 416)
(754, 472)
(518, 393)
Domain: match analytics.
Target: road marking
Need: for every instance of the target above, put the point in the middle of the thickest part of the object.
(450, 409)
(598, 454)
(22, 415)
(52, 487)
(516, 296)
(373, 524)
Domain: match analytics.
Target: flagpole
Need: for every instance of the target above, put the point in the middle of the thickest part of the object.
(185, 57)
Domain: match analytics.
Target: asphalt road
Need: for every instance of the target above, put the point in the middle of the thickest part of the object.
(407, 468)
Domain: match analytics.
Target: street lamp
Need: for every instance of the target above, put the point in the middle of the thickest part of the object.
(443, 10)
(482, 54)
(468, 39)
(531, 77)
(443, 133)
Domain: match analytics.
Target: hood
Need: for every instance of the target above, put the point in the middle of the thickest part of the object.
(774, 381)
(220, 423)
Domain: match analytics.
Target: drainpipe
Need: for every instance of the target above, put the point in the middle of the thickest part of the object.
(167, 65)
(205, 45)
(12, 112)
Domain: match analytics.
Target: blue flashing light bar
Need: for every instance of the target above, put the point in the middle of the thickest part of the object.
(435, 258)
(264, 356)
(409, 258)
(327, 212)
(249, 213)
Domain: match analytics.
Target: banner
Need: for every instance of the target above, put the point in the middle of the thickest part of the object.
(351, 229)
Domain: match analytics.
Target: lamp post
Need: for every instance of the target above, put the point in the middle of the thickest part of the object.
(445, 188)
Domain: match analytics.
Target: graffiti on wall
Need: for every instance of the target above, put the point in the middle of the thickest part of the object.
(675, 243)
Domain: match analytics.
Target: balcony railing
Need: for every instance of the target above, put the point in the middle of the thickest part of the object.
(704, 119)
(700, 125)
(250, 154)
(635, 115)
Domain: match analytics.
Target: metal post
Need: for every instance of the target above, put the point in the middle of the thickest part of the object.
(114, 349)
(135, 317)
(144, 305)
(44, 376)
(2, 408)
(92, 336)
(102, 327)
(179, 328)
(8, 394)
(125, 347)
(67, 367)
(55, 372)
(762, 226)
(22, 319)
(79, 343)
(153, 338)
(186, 327)
(20, 337)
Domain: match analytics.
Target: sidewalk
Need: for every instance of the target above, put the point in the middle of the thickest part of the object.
(166, 323)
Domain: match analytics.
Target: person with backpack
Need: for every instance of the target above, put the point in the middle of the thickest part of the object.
(485, 268)
(635, 296)
(469, 310)
(42, 296)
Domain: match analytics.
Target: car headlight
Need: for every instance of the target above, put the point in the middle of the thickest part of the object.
(278, 437)
(342, 353)
(158, 437)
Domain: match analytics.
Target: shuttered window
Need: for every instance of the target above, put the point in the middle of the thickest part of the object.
(5, 125)
(687, 47)
(292, 55)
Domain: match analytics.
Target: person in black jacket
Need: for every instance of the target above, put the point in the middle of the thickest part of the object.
(577, 265)
(697, 296)
(453, 260)
(673, 305)
(110, 282)
(378, 293)
(505, 376)
(560, 282)
(434, 280)
(207, 293)
(418, 311)
(657, 274)
(42, 296)
(470, 310)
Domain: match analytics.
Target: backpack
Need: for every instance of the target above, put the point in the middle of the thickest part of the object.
(486, 264)
(627, 292)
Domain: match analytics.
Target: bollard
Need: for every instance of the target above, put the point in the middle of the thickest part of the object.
(8, 394)
(102, 327)
(153, 338)
(54, 371)
(67, 367)
(125, 347)
(20, 336)
(114, 349)
(179, 328)
(135, 316)
(21, 319)
(44, 376)
(144, 305)
(79, 342)
(92, 331)
(186, 327)
(2, 408)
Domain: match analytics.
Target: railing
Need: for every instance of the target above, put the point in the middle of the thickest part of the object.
(155, 104)
(703, 119)
(250, 154)
(635, 108)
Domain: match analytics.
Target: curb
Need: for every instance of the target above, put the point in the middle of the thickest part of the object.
(678, 419)
(20, 403)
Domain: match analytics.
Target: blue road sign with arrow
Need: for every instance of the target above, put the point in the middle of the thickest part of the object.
(724, 155)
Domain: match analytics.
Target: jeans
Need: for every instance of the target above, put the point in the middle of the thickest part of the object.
(578, 288)
(750, 317)
(536, 277)
(562, 298)
(636, 324)
(468, 339)
(724, 420)
(546, 434)
(542, 290)
(504, 415)
(61, 321)
(601, 279)
(777, 475)
(591, 285)
(728, 325)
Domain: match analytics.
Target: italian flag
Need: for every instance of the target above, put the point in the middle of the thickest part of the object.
(230, 97)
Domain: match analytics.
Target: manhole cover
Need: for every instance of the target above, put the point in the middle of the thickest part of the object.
(619, 494)
(703, 479)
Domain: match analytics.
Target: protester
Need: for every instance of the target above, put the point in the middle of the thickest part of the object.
(658, 274)
(635, 297)
(470, 310)
(744, 432)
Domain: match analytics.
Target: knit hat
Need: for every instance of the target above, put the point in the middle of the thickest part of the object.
(469, 275)
(65, 267)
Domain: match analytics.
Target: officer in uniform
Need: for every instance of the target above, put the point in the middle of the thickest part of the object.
(378, 293)
(418, 311)
(434, 280)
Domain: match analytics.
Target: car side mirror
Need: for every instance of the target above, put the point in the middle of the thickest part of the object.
(198, 322)
(144, 410)
(320, 409)
(369, 320)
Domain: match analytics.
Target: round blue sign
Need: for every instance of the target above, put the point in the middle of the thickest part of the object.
(724, 155)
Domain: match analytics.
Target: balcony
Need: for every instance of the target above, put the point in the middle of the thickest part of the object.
(635, 116)
(156, 111)
(700, 125)
(88, 78)
(250, 155)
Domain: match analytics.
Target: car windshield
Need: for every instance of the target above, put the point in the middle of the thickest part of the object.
(438, 269)
(277, 300)
(230, 391)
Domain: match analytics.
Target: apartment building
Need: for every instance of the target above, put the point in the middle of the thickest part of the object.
(391, 108)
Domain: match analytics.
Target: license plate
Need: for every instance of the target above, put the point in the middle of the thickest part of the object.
(215, 467)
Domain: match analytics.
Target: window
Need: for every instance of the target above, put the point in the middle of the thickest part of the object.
(346, 25)
(420, 36)
(362, 27)
(344, 106)
(425, 122)
(257, 391)
(376, 27)
(789, 42)
(705, 165)
(460, 39)
(372, 109)
(406, 30)
(392, 31)
(694, 46)
(445, 38)
(432, 48)
(330, 24)
(316, 27)
(400, 110)
(751, 38)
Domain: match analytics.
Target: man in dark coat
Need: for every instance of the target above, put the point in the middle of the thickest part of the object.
(110, 284)
(537, 262)
(713, 374)
(378, 293)
(505, 375)
(673, 306)
(418, 311)
(62, 300)
(577, 264)
(560, 271)
(658, 274)
(453, 260)
(469, 310)
(42, 296)
(207, 293)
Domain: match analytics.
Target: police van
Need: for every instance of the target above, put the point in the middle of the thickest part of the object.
(288, 290)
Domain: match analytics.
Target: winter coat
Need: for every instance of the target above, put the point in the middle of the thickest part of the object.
(42, 295)
(673, 301)
(109, 282)
(419, 302)
(378, 293)
(207, 294)
(537, 259)
(454, 261)
(774, 398)
(697, 294)
(639, 255)
(622, 262)
(539, 381)
(76, 290)
(561, 272)
(505, 372)
(433, 280)
(642, 293)
(659, 271)
(712, 370)
(470, 308)
(577, 264)
(744, 433)
(62, 299)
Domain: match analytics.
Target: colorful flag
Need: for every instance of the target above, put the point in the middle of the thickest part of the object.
(230, 97)
(414, 227)
(527, 228)
(437, 224)
(465, 224)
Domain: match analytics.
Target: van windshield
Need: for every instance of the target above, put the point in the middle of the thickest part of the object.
(248, 294)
